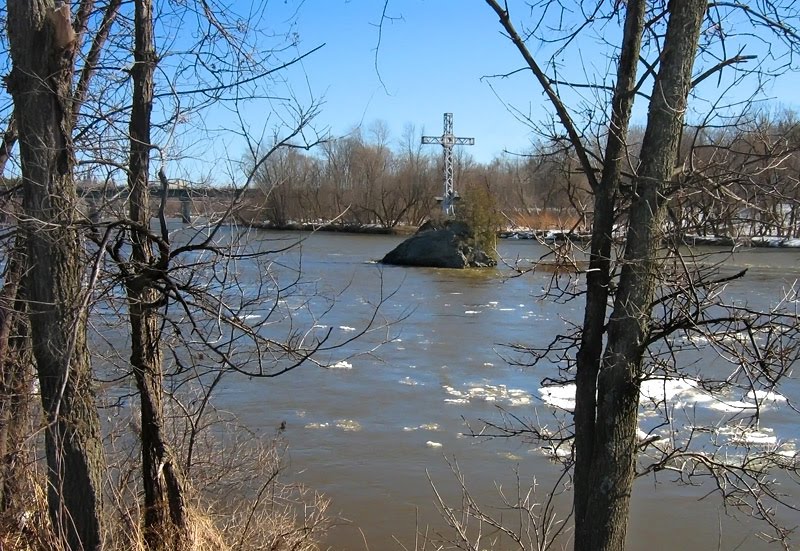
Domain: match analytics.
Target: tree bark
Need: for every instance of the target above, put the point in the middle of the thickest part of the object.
(42, 45)
(614, 450)
(165, 523)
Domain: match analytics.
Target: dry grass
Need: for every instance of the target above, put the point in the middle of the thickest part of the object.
(237, 499)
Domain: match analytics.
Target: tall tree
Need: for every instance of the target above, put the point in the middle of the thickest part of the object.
(165, 522)
(612, 454)
(43, 45)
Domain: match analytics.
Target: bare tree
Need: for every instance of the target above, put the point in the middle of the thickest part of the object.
(617, 341)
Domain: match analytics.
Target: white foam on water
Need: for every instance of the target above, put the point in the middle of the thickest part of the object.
(432, 444)
(252, 317)
(470, 312)
(507, 309)
(488, 364)
(408, 381)
(341, 365)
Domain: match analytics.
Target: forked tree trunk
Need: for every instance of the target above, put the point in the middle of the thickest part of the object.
(165, 522)
(598, 276)
(42, 46)
(614, 451)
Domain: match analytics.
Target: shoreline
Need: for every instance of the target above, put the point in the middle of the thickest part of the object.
(545, 236)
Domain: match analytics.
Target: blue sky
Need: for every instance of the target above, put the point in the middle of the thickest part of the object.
(433, 57)
(430, 62)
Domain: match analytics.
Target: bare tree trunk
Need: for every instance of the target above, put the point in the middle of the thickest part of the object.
(164, 507)
(16, 392)
(598, 276)
(42, 45)
(614, 451)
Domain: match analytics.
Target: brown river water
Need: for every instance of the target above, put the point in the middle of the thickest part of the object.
(376, 430)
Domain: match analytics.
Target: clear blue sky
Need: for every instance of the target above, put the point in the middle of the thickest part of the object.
(432, 59)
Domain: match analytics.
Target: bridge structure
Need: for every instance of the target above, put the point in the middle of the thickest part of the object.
(448, 140)
(100, 196)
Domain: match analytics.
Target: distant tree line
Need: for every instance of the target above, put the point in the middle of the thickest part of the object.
(745, 181)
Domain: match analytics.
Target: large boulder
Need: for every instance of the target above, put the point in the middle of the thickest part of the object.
(440, 245)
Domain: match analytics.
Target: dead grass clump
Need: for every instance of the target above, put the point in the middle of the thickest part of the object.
(236, 494)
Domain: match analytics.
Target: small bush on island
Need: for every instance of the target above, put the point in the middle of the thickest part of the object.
(478, 209)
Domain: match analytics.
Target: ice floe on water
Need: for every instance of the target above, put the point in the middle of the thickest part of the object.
(487, 393)
(663, 394)
(346, 328)
(424, 426)
(678, 392)
(347, 425)
(472, 312)
(341, 365)
(409, 381)
(510, 456)
(744, 436)
(559, 396)
(766, 396)
(317, 425)
(658, 390)
(432, 444)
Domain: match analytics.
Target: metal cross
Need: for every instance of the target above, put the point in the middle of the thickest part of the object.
(447, 140)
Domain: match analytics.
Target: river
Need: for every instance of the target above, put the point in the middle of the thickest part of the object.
(372, 431)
